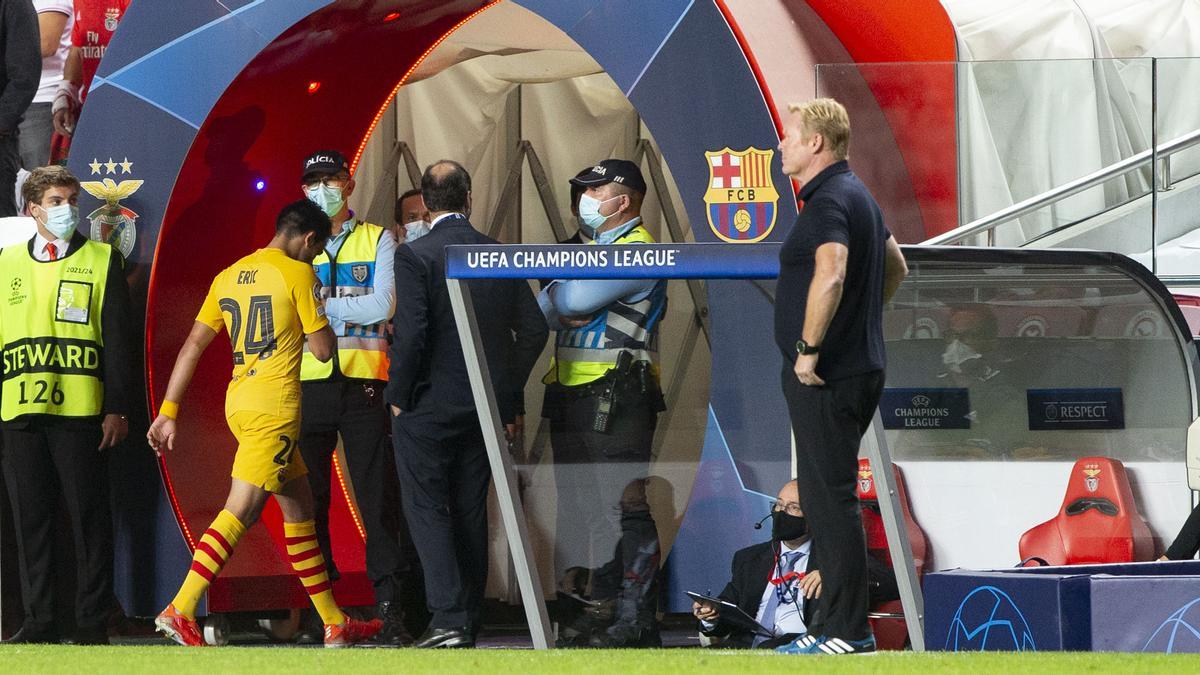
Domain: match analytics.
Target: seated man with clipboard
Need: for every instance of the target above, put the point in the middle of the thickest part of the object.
(770, 597)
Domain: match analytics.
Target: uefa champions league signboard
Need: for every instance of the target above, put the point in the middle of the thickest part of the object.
(643, 261)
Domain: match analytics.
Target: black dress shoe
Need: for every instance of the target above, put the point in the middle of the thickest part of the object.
(445, 637)
(94, 635)
(32, 634)
(393, 633)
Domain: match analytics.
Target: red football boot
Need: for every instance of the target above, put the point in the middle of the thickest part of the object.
(179, 628)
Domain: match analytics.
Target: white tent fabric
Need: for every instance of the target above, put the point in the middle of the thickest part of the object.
(1038, 110)
(509, 76)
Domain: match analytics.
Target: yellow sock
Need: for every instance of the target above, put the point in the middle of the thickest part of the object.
(305, 556)
(214, 549)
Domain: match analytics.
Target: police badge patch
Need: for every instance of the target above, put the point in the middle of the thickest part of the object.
(359, 272)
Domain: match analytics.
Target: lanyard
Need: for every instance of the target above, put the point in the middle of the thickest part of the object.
(786, 584)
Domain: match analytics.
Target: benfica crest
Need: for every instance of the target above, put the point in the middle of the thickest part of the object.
(741, 197)
(113, 223)
(866, 480)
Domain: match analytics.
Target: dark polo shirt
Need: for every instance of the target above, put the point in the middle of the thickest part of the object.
(837, 208)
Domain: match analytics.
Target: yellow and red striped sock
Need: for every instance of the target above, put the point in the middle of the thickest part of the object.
(212, 552)
(305, 556)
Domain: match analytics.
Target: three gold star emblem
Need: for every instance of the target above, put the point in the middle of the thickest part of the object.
(111, 166)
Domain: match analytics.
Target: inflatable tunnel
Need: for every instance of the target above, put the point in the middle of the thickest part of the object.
(211, 106)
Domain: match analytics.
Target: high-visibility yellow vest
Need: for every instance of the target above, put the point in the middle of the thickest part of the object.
(361, 350)
(50, 329)
(583, 355)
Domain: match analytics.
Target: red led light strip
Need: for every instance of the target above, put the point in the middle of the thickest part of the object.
(416, 64)
(341, 478)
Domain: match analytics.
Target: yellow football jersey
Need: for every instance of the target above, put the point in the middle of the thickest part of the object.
(267, 302)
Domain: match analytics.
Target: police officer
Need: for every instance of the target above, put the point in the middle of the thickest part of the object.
(605, 396)
(345, 395)
(65, 397)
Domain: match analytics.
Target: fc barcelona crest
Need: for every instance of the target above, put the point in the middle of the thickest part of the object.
(741, 196)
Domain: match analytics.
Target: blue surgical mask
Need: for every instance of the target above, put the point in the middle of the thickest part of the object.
(589, 212)
(587, 232)
(415, 230)
(61, 220)
(609, 236)
(329, 198)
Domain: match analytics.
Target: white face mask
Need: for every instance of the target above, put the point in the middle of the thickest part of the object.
(961, 358)
(60, 220)
(957, 353)
(329, 198)
(415, 230)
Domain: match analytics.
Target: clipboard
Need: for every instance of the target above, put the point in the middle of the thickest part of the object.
(733, 614)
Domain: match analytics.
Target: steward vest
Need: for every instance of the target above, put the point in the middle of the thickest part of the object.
(361, 350)
(50, 326)
(583, 355)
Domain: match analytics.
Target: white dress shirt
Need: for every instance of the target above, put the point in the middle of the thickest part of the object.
(39, 247)
(789, 616)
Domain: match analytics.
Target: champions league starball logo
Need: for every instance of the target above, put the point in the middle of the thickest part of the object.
(1179, 633)
(989, 620)
(113, 223)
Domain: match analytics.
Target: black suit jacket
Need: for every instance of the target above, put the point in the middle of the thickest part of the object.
(748, 579)
(751, 568)
(427, 377)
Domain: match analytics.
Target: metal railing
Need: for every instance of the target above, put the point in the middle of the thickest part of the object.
(1024, 207)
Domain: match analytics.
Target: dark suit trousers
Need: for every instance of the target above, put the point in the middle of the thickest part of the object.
(39, 461)
(828, 423)
(444, 480)
(356, 410)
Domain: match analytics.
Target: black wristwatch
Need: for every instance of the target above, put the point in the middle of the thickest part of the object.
(804, 349)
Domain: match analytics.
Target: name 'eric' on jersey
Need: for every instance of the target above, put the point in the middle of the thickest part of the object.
(268, 302)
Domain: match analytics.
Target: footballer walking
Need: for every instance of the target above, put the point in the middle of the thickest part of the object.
(269, 304)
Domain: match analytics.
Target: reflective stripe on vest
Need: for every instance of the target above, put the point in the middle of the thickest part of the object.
(584, 355)
(53, 345)
(361, 349)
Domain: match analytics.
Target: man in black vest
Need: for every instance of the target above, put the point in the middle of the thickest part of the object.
(439, 445)
(838, 265)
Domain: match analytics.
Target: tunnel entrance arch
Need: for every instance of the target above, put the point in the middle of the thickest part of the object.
(227, 99)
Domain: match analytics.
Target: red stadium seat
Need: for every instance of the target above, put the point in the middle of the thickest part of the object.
(1099, 521)
(888, 617)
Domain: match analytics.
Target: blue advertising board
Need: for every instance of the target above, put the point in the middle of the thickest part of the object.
(926, 408)
(1129, 607)
(1075, 409)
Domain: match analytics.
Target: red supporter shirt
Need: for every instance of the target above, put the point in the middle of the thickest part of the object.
(95, 22)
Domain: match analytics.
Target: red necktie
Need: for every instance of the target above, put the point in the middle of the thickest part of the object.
(52, 251)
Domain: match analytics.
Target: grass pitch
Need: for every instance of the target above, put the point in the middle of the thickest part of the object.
(171, 660)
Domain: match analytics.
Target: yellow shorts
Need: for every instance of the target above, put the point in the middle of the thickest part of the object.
(268, 453)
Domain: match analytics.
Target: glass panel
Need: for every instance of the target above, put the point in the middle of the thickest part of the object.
(605, 510)
(1001, 333)
(1176, 237)
(944, 144)
(903, 140)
